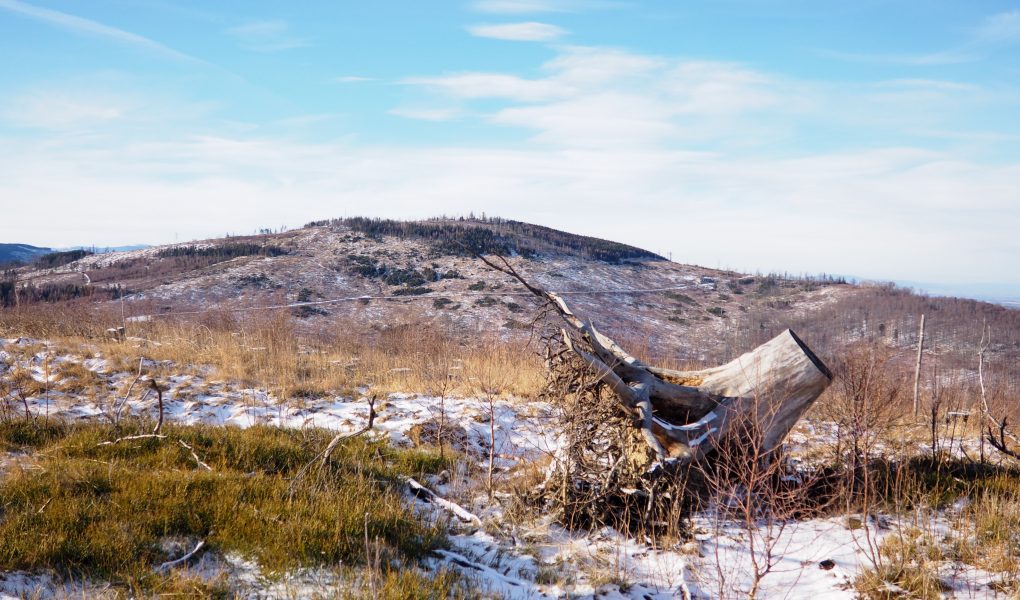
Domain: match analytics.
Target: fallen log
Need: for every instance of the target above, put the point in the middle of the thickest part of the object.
(683, 415)
(423, 493)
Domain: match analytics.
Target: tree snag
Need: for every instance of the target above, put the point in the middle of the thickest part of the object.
(683, 415)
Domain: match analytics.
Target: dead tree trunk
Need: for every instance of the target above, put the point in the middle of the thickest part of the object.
(917, 367)
(683, 415)
(772, 385)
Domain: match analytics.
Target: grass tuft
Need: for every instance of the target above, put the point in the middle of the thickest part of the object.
(101, 512)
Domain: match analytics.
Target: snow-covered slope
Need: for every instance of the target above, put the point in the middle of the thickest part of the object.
(364, 280)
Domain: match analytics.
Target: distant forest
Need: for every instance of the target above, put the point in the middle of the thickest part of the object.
(59, 259)
(15, 293)
(492, 235)
(221, 252)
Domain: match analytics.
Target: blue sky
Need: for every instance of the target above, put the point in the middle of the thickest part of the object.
(874, 138)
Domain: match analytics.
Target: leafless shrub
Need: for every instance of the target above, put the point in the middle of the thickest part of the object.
(755, 490)
(865, 403)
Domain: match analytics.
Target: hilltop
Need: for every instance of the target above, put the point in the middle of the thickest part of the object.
(370, 275)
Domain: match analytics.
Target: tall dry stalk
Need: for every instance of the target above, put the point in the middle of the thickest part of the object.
(750, 487)
(917, 366)
(492, 381)
(438, 373)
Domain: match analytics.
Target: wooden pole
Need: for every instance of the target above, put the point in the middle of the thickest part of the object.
(917, 367)
(986, 340)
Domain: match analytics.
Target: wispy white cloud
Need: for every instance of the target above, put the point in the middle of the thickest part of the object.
(425, 114)
(582, 65)
(931, 84)
(48, 110)
(604, 95)
(93, 104)
(540, 6)
(353, 79)
(492, 85)
(531, 31)
(593, 120)
(956, 56)
(997, 30)
(1002, 28)
(267, 36)
(83, 26)
(983, 137)
(717, 88)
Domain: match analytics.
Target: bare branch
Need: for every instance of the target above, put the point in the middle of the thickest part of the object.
(173, 563)
(343, 436)
(999, 443)
(132, 438)
(423, 493)
(194, 455)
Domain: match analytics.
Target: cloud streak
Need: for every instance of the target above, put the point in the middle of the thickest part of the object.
(530, 31)
(517, 7)
(83, 26)
(267, 36)
(425, 114)
(1002, 28)
(948, 57)
(493, 85)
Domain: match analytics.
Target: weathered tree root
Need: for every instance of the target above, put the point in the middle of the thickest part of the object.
(682, 415)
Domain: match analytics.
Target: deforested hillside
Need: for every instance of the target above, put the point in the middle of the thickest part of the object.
(373, 275)
(414, 418)
(376, 274)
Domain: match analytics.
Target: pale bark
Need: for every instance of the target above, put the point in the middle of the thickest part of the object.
(917, 368)
(684, 414)
(773, 386)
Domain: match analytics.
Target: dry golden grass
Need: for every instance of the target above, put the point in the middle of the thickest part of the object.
(909, 568)
(74, 378)
(983, 531)
(264, 350)
(991, 528)
(24, 385)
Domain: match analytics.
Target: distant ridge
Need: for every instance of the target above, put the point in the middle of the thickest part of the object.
(107, 249)
(494, 235)
(1003, 294)
(14, 253)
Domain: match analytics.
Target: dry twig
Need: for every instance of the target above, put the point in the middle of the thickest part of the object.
(173, 563)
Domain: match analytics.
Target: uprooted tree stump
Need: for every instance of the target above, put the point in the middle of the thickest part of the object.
(631, 422)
